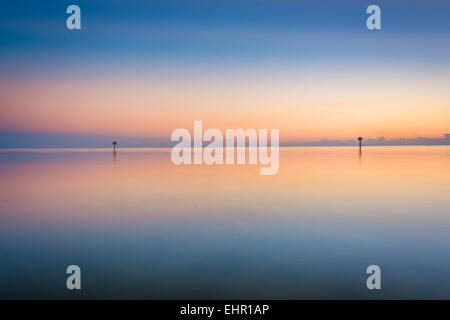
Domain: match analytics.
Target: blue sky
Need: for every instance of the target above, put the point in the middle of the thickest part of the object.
(241, 31)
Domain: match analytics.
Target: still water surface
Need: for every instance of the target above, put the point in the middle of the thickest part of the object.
(141, 227)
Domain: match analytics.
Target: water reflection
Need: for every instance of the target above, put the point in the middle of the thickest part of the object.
(143, 227)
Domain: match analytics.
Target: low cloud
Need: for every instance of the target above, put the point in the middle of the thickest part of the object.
(381, 141)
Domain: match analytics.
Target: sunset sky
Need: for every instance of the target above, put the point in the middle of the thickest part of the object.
(309, 68)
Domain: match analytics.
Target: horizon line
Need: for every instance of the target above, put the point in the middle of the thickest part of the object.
(17, 140)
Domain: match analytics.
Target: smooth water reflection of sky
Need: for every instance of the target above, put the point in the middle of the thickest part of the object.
(141, 227)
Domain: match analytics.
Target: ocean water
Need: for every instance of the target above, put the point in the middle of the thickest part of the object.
(141, 227)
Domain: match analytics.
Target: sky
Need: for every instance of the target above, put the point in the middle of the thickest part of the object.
(137, 70)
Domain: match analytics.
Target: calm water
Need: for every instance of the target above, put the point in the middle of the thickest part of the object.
(141, 227)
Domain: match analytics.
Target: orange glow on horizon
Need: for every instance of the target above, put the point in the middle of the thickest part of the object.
(304, 110)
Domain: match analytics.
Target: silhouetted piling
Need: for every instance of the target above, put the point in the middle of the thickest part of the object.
(360, 145)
